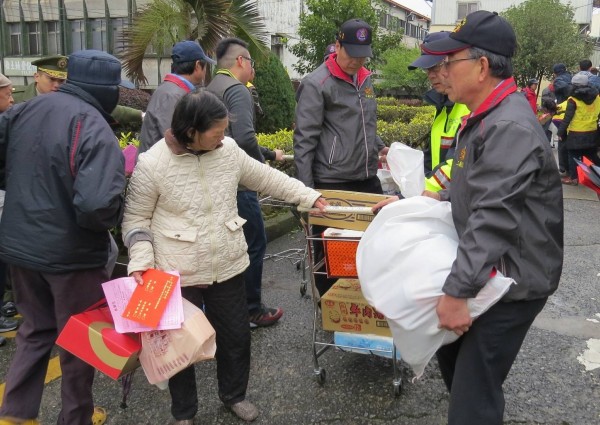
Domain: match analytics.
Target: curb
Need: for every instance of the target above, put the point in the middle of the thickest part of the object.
(280, 225)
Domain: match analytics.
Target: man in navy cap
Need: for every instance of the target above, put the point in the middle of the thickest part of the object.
(64, 176)
(188, 69)
(336, 145)
(507, 208)
(447, 119)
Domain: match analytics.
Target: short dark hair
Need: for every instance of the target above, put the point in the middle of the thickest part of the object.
(198, 110)
(186, 68)
(224, 45)
(585, 64)
(500, 66)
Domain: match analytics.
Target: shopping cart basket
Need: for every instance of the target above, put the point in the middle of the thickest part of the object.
(352, 211)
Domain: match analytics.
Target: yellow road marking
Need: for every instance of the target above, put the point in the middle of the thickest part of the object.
(9, 334)
(52, 373)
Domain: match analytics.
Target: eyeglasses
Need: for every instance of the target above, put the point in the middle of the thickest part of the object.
(446, 63)
(435, 68)
(252, 62)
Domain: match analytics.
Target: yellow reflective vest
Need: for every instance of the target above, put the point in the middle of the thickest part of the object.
(440, 177)
(444, 129)
(586, 116)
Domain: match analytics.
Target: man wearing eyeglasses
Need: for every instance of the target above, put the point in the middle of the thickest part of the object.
(507, 207)
(336, 145)
(235, 69)
(447, 119)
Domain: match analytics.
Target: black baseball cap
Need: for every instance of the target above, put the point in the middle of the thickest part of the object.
(356, 36)
(483, 29)
(426, 61)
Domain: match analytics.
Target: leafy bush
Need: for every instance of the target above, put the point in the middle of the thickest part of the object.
(284, 140)
(276, 96)
(413, 133)
(392, 101)
(403, 113)
(134, 98)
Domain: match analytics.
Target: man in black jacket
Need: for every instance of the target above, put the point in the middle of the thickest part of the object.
(64, 175)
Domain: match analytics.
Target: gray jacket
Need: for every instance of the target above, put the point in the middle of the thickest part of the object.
(159, 114)
(335, 139)
(507, 201)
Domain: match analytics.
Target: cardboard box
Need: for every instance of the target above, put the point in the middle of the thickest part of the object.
(345, 198)
(340, 252)
(365, 344)
(343, 308)
(91, 336)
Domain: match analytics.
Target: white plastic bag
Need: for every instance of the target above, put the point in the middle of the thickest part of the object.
(406, 165)
(166, 352)
(403, 260)
(388, 185)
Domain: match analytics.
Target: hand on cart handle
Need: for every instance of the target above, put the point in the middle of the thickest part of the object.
(322, 204)
(379, 205)
(279, 156)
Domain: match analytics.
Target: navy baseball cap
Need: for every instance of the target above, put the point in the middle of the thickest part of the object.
(329, 50)
(189, 51)
(356, 36)
(426, 61)
(483, 29)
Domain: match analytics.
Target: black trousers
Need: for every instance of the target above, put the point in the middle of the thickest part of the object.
(226, 310)
(475, 366)
(372, 185)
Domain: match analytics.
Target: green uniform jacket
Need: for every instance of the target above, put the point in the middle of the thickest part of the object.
(122, 114)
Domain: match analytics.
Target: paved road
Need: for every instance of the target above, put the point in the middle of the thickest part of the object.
(548, 384)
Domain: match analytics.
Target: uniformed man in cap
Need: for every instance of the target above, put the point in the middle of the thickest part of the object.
(52, 73)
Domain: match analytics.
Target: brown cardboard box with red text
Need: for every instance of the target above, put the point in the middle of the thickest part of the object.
(344, 308)
(345, 198)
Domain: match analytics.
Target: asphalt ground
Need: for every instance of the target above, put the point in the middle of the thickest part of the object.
(547, 385)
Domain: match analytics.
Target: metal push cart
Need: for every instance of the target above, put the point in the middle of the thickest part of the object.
(324, 340)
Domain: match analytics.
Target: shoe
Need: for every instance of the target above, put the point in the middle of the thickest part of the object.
(569, 181)
(9, 309)
(7, 324)
(99, 416)
(184, 422)
(244, 410)
(264, 317)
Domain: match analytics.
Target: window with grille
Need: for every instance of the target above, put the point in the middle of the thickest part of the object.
(118, 24)
(465, 8)
(99, 34)
(33, 35)
(15, 38)
(78, 35)
(54, 40)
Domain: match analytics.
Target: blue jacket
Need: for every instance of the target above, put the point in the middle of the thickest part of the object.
(64, 176)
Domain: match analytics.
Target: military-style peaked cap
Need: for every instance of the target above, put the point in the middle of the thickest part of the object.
(55, 66)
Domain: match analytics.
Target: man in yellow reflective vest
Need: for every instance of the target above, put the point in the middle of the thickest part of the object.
(448, 117)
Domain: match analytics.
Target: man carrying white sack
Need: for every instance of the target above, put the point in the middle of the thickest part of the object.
(507, 207)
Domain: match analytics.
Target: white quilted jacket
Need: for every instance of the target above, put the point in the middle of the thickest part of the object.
(188, 203)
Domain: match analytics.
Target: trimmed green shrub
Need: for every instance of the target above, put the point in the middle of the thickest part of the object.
(284, 140)
(276, 96)
(403, 113)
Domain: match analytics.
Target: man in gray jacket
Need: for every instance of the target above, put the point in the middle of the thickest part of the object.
(187, 72)
(507, 207)
(335, 140)
(235, 69)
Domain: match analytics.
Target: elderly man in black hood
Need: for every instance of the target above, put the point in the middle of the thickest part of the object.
(63, 172)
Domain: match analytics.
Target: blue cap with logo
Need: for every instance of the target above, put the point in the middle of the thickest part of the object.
(189, 51)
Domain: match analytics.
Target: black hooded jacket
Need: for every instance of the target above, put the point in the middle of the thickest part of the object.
(64, 176)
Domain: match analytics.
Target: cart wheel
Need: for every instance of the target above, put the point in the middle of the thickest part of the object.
(397, 388)
(303, 289)
(320, 375)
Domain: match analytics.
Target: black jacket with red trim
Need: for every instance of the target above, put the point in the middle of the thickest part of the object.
(64, 176)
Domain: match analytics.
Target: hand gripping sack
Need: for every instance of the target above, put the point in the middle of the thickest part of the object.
(166, 352)
(403, 260)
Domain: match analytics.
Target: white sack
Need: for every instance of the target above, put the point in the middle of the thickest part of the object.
(406, 165)
(403, 260)
(388, 185)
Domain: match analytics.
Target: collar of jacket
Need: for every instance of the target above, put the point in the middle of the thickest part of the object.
(437, 99)
(502, 90)
(76, 91)
(337, 72)
(226, 72)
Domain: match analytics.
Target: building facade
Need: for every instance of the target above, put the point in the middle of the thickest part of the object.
(30, 29)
